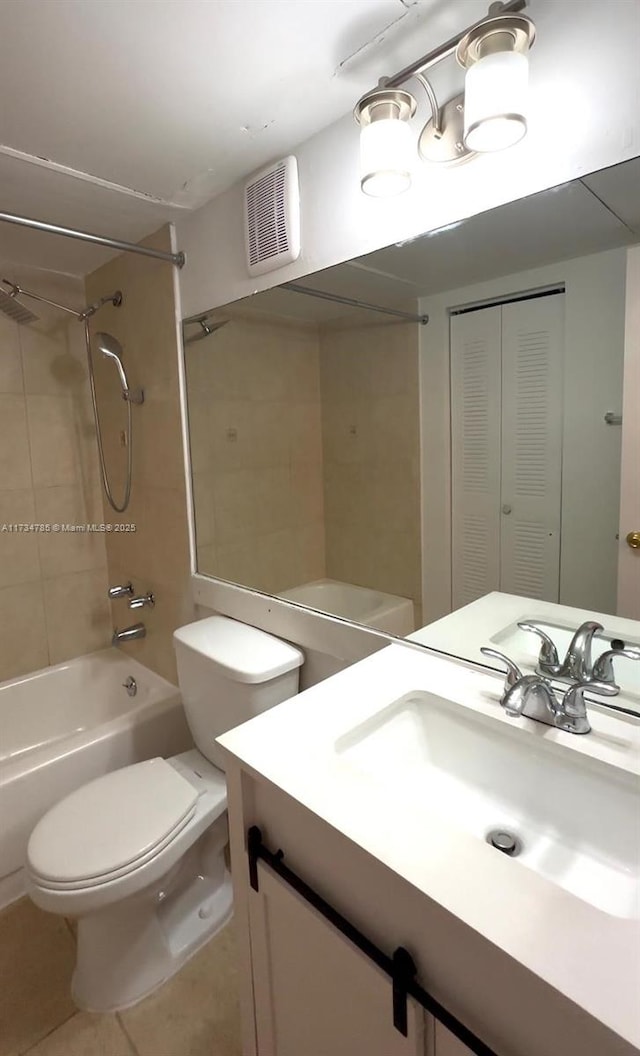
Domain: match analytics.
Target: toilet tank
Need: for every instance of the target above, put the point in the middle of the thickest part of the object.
(229, 672)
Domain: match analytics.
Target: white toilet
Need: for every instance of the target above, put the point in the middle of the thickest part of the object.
(138, 855)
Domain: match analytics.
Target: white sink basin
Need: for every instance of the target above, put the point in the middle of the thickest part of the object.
(524, 646)
(578, 819)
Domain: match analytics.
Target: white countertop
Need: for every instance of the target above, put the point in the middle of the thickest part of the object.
(589, 956)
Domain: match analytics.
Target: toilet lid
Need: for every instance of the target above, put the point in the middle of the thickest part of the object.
(111, 822)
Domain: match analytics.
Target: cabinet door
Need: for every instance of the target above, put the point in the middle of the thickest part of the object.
(315, 994)
(531, 496)
(446, 1044)
(475, 453)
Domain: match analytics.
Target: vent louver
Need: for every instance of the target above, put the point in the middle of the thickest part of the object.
(272, 217)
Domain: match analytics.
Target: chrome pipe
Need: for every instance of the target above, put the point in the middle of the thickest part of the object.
(17, 291)
(449, 46)
(178, 259)
(352, 303)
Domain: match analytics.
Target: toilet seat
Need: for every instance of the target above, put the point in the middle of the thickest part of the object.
(147, 865)
(111, 827)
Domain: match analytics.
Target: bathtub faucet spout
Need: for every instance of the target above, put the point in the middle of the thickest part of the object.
(129, 634)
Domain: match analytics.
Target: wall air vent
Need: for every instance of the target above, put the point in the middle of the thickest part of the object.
(272, 217)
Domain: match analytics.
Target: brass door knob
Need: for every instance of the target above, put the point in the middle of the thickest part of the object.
(633, 540)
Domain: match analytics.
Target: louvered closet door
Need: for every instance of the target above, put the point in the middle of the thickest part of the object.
(475, 453)
(532, 373)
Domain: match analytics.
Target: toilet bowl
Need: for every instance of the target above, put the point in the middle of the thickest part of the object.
(137, 856)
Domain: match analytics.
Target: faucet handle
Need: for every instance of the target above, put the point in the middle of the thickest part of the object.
(123, 590)
(603, 667)
(548, 659)
(514, 674)
(574, 705)
(142, 600)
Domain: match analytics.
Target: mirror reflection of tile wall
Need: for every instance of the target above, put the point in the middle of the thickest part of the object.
(304, 444)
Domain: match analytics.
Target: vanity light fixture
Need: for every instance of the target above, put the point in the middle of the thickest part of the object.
(490, 114)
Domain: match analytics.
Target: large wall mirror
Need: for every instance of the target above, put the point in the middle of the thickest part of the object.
(350, 456)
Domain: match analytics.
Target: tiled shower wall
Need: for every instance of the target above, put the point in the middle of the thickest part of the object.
(155, 553)
(304, 446)
(52, 584)
(254, 415)
(370, 428)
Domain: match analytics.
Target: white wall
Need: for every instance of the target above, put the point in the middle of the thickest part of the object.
(594, 343)
(585, 81)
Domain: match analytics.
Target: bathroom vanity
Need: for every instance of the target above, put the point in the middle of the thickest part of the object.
(380, 786)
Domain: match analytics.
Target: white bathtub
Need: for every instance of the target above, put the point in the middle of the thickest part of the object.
(384, 612)
(65, 725)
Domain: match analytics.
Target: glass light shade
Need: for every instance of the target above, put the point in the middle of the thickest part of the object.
(386, 155)
(495, 101)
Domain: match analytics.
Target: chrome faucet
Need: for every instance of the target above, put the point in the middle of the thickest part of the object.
(141, 600)
(603, 667)
(122, 590)
(577, 664)
(129, 634)
(532, 697)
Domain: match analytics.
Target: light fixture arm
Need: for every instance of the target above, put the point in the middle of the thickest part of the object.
(449, 46)
(433, 102)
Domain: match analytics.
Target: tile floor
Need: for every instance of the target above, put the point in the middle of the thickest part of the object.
(194, 1014)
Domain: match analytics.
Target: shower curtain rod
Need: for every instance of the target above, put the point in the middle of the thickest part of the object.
(338, 299)
(177, 259)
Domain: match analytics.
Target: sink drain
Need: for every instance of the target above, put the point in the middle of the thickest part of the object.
(505, 841)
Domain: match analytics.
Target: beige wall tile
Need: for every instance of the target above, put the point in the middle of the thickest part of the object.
(158, 452)
(307, 495)
(15, 465)
(207, 560)
(62, 552)
(77, 614)
(273, 500)
(23, 632)
(35, 994)
(159, 547)
(47, 437)
(257, 393)
(86, 1035)
(48, 365)
(232, 435)
(272, 427)
(19, 562)
(156, 556)
(369, 384)
(239, 562)
(234, 504)
(54, 440)
(202, 485)
(10, 362)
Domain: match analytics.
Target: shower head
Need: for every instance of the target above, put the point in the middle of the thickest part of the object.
(207, 326)
(112, 349)
(13, 308)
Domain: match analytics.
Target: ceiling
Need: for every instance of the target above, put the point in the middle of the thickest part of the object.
(119, 115)
(590, 215)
